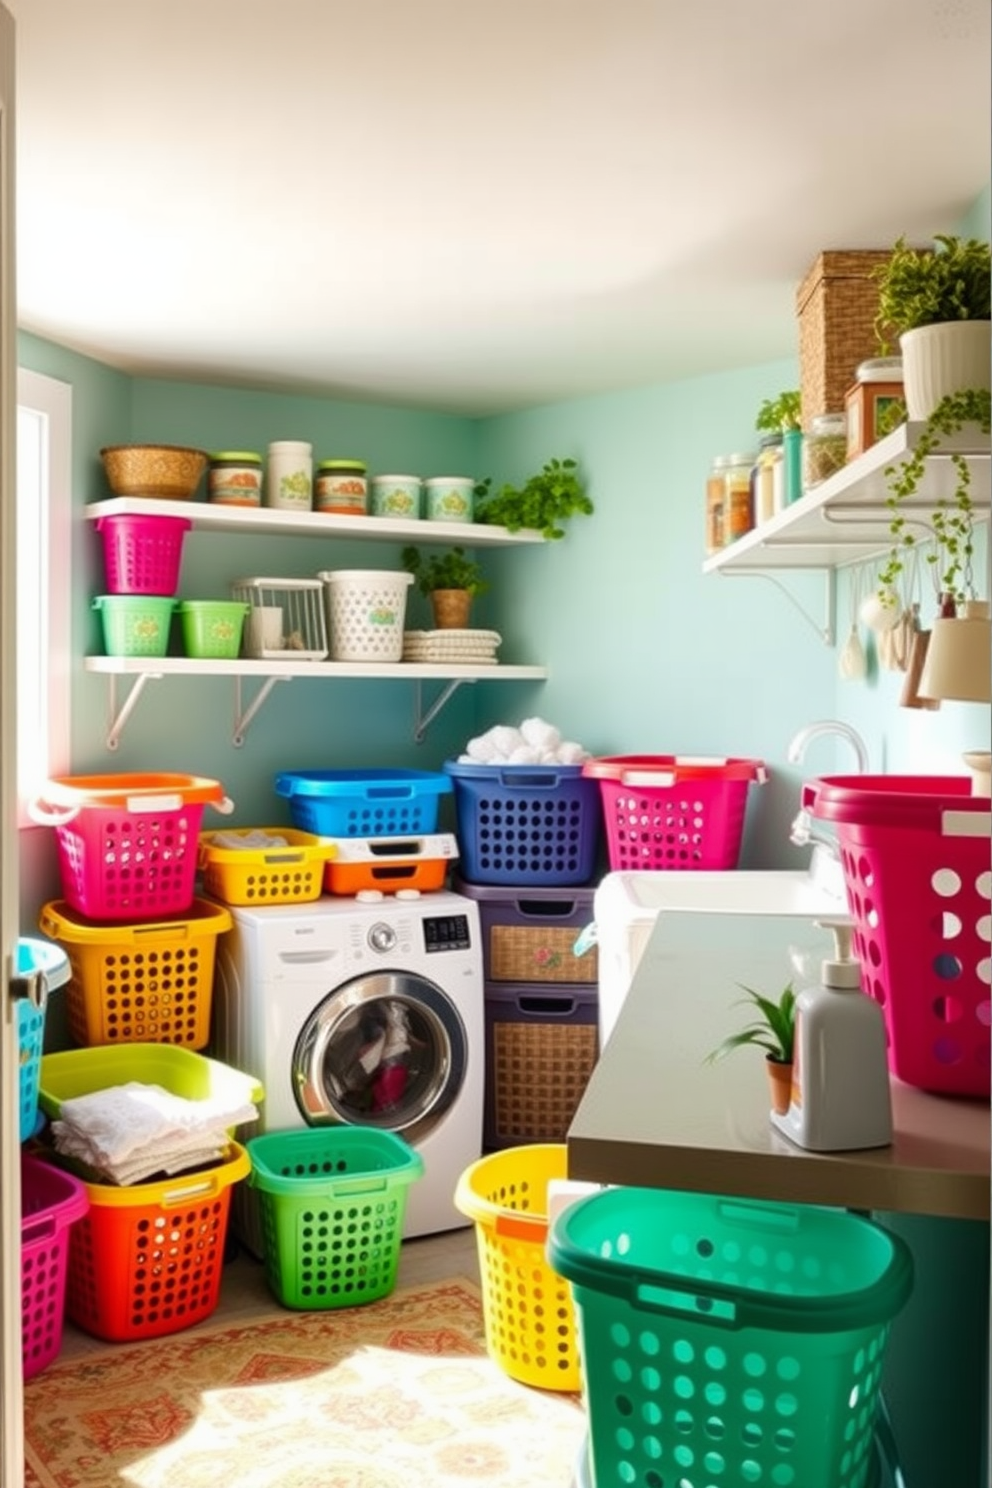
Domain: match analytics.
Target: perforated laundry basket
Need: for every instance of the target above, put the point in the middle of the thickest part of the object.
(142, 554)
(364, 803)
(366, 609)
(916, 858)
(729, 1340)
(525, 825)
(527, 1308)
(671, 812)
(52, 962)
(51, 1202)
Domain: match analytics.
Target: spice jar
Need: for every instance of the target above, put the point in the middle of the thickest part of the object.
(234, 478)
(738, 513)
(340, 488)
(875, 404)
(824, 448)
(766, 479)
(715, 495)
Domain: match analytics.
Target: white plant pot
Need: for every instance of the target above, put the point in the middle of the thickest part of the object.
(942, 359)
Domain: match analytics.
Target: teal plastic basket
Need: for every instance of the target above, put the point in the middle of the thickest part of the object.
(729, 1340)
(35, 956)
(332, 1202)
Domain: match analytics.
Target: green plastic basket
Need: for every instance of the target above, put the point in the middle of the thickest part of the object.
(331, 1204)
(135, 624)
(212, 628)
(729, 1341)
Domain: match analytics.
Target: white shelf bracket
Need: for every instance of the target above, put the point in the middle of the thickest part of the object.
(118, 719)
(243, 716)
(424, 718)
(826, 629)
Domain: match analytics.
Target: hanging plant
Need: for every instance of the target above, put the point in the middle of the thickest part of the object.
(951, 519)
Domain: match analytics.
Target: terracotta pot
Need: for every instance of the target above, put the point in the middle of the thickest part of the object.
(779, 1084)
(451, 608)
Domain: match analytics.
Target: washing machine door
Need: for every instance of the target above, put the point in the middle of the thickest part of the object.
(386, 1049)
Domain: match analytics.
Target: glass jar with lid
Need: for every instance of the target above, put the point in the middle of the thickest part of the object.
(738, 509)
(824, 448)
(715, 499)
(767, 478)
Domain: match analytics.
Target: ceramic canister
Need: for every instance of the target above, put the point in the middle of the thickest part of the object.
(396, 495)
(289, 477)
(449, 498)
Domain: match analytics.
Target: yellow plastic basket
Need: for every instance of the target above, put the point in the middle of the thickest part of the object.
(527, 1308)
(290, 874)
(139, 983)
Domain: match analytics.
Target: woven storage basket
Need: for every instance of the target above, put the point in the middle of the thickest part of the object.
(836, 305)
(541, 1047)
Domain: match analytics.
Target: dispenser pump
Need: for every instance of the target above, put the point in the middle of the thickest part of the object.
(842, 971)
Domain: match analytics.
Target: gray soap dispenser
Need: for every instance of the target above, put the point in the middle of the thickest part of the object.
(840, 1098)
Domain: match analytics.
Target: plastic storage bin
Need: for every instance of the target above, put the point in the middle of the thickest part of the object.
(135, 624)
(211, 628)
(668, 812)
(529, 935)
(915, 852)
(390, 863)
(729, 1339)
(527, 1309)
(142, 555)
(146, 982)
(53, 963)
(147, 1260)
(277, 874)
(366, 609)
(73, 1072)
(363, 803)
(332, 1203)
(127, 844)
(541, 1047)
(526, 824)
(51, 1202)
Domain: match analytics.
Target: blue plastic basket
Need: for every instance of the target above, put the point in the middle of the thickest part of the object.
(35, 955)
(363, 803)
(526, 824)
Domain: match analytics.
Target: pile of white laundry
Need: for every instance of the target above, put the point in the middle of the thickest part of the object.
(128, 1132)
(535, 742)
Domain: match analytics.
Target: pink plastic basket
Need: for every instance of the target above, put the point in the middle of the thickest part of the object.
(50, 1202)
(141, 555)
(128, 845)
(666, 811)
(915, 851)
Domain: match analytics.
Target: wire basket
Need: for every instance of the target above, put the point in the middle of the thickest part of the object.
(142, 555)
(332, 1203)
(668, 812)
(285, 620)
(739, 1337)
(526, 824)
(51, 1202)
(140, 983)
(915, 853)
(527, 1309)
(366, 610)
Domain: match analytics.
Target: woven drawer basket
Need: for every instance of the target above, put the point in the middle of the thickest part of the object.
(836, 305)
(541, 1047)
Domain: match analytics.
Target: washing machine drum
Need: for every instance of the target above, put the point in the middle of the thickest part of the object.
(387, 1049)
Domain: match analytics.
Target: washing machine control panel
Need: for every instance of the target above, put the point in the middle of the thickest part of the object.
(446, 933)
(382, 937)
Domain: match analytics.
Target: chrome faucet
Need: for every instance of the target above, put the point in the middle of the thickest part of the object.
(802, 740)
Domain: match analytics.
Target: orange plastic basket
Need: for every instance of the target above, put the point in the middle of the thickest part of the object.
(290, 874)
(147, 1260)
(390, 863)
(141, 983)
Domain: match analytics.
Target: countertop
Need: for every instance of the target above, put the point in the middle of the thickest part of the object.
(656, 1114)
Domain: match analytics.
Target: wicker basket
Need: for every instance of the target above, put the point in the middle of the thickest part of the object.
(836, 305)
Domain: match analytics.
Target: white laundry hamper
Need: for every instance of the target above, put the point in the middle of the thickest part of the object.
(366, 609)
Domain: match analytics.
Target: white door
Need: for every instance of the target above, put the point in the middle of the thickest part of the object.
(11, 1383)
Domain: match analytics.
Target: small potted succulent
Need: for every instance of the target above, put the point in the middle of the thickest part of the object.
(450, 580)
(772, 1029)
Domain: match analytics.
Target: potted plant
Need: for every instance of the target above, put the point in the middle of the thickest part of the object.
(938, 302)
(543, 502)
(450, 580)
(773, 1029)
(783, 415)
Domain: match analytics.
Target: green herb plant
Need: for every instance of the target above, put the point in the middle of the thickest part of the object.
(449, 570)
(776, 415)
(773, 1028)
(924, 287)
(543, 502)
(951, 519)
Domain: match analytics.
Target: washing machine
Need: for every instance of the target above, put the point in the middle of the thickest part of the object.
(358, 1012)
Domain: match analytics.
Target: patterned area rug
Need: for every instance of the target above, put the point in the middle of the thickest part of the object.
(393, 1395)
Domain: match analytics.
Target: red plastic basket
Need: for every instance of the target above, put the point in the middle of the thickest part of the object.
(142, 555)
(667, 811)
(50, 1203)
(128, 844)
(915, 851)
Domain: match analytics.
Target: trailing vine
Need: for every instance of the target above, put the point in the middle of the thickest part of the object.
(951, 520)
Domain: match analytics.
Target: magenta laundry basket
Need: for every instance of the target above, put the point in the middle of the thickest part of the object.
(142, 554)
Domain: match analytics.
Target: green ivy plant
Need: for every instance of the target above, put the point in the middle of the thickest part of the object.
(543, 502)
(951, 520)
(923, 287)
(450, 570)
(773, 1029)
(776, 415)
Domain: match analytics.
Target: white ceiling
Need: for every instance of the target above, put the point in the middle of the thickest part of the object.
(474, 205)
